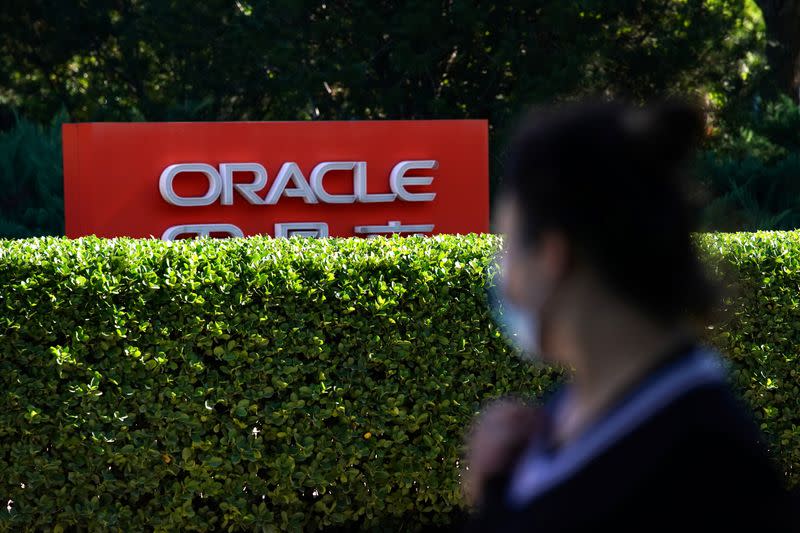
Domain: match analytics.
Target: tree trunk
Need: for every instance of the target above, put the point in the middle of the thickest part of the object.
(782, 19)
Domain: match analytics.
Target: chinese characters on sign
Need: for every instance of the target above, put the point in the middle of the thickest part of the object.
(310, 179)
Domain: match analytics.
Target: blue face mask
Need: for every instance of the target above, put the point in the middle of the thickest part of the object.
(520, 326)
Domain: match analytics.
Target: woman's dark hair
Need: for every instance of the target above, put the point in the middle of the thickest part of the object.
(614, 180)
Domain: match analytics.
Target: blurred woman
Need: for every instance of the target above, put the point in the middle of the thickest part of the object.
(600, 275)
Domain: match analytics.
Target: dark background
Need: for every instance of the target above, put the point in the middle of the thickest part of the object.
(133, 60)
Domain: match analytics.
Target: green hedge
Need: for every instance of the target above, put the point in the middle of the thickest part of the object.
(761, 332)
(244, 383)
(262, 384)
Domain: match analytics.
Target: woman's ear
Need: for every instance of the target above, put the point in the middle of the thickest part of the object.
(553, 255)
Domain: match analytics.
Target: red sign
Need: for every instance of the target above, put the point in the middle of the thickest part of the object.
(172, 180)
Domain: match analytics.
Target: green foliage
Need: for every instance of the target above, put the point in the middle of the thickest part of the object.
(257, 59)
(260, 384)
(32, 199)
(364, 59)
(249, 384)
(752, 174)
(761, 332)
(769, 131)
(367, 59)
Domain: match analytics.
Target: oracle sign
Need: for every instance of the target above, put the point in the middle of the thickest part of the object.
(173, 180)
(220, 184)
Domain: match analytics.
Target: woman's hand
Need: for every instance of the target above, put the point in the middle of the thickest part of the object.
(495, 442)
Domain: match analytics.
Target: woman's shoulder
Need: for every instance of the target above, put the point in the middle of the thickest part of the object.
(701, 424)
(680, 446)
(704, 450)
(680, 421)
(694, 397)
(691, 402)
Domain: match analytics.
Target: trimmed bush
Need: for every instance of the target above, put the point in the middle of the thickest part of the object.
(243, 384)
(761, 334)
(260, 384)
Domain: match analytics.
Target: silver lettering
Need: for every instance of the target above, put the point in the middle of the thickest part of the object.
(290, 171)
(248, 190)
(316, 182)
(167, 178)
(399, 181)
(200, 230)
(301, 229)
(360, 181)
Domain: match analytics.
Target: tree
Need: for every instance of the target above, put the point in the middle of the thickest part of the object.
(290, 59)
(359, 59)
(782, 19)
(32, 203)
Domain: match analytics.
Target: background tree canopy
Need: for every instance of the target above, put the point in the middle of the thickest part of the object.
(370, 59)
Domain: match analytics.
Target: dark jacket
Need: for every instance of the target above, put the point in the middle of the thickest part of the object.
(674, 454)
